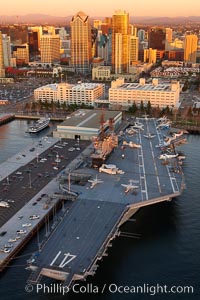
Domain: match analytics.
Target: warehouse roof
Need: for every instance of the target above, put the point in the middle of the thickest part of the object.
(88, 118)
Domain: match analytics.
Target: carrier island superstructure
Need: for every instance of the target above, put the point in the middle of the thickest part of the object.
(138, 167)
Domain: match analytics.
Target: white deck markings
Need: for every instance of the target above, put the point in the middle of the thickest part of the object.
(173, 182)
(86, 120)
(66, 260)
(143, 183)
(158, 132)
(55, 258)
(153, 156)
(172, 179)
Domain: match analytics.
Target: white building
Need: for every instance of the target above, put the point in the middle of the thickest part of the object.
(162, 95)
(84, 93)
(101, 73)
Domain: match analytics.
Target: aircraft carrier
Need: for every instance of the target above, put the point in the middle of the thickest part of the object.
(106, 201)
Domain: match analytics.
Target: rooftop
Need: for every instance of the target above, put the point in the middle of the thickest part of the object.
(88, 118)
(74, 87)
(145, 87)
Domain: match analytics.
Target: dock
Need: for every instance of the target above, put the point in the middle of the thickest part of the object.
(5, 118)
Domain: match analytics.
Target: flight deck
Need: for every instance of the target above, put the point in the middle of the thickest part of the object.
(105, 201)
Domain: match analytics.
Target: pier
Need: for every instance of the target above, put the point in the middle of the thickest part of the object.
(5, 118)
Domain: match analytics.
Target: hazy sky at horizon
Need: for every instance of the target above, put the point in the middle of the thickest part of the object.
(63, 8)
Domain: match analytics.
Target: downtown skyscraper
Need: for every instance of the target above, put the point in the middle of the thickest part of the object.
(50, 48)
(120, 42)
(2, 70)
(81, 45)
(190, 48)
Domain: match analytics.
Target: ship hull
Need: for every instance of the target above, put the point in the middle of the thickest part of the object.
(39, 126)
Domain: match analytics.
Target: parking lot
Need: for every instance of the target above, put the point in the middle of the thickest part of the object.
(21, 89)
(21, 186)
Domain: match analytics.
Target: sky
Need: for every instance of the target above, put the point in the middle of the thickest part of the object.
(63, 8)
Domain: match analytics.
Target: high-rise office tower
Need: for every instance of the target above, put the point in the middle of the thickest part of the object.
(33, 42)
(168, 32)
(134, 48)
(150, 55)
(121, 54)
(81, 45)
(102, 46)
(120, 42)
(168, 38)
(50, 48)
(97, 24)
(132, 30)
(156, 38)
(141, 35)
(34, 36)
(49, 30)
(190, 48)
(21, 53)
(6, 50)
(2, 70)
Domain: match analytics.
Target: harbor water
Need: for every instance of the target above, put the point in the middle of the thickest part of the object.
(163, 248)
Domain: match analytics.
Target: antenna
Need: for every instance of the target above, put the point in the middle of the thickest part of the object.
(102, 122)
(69, 182)
(111, 124)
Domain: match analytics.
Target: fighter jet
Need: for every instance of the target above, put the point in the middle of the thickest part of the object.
(167, 156)
(149, 135)
(138, 125)
(130, 186)
(131, 144)
(94, 182)
(4, 204)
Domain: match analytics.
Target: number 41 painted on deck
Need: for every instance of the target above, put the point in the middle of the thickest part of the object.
(66, 260)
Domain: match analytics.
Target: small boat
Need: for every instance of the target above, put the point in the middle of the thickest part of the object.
(39, 125)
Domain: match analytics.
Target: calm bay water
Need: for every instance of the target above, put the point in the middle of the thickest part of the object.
(168, 252)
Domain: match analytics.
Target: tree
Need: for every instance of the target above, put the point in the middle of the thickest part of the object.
(165, 111)
(64, 106)
(148, 107)
(189, 112)
(33, 106)
(186, 86)
(133, 109)
(142, 106)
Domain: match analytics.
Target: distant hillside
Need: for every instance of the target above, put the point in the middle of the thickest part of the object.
(34, 19)
(165, 20)
(47, 19)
